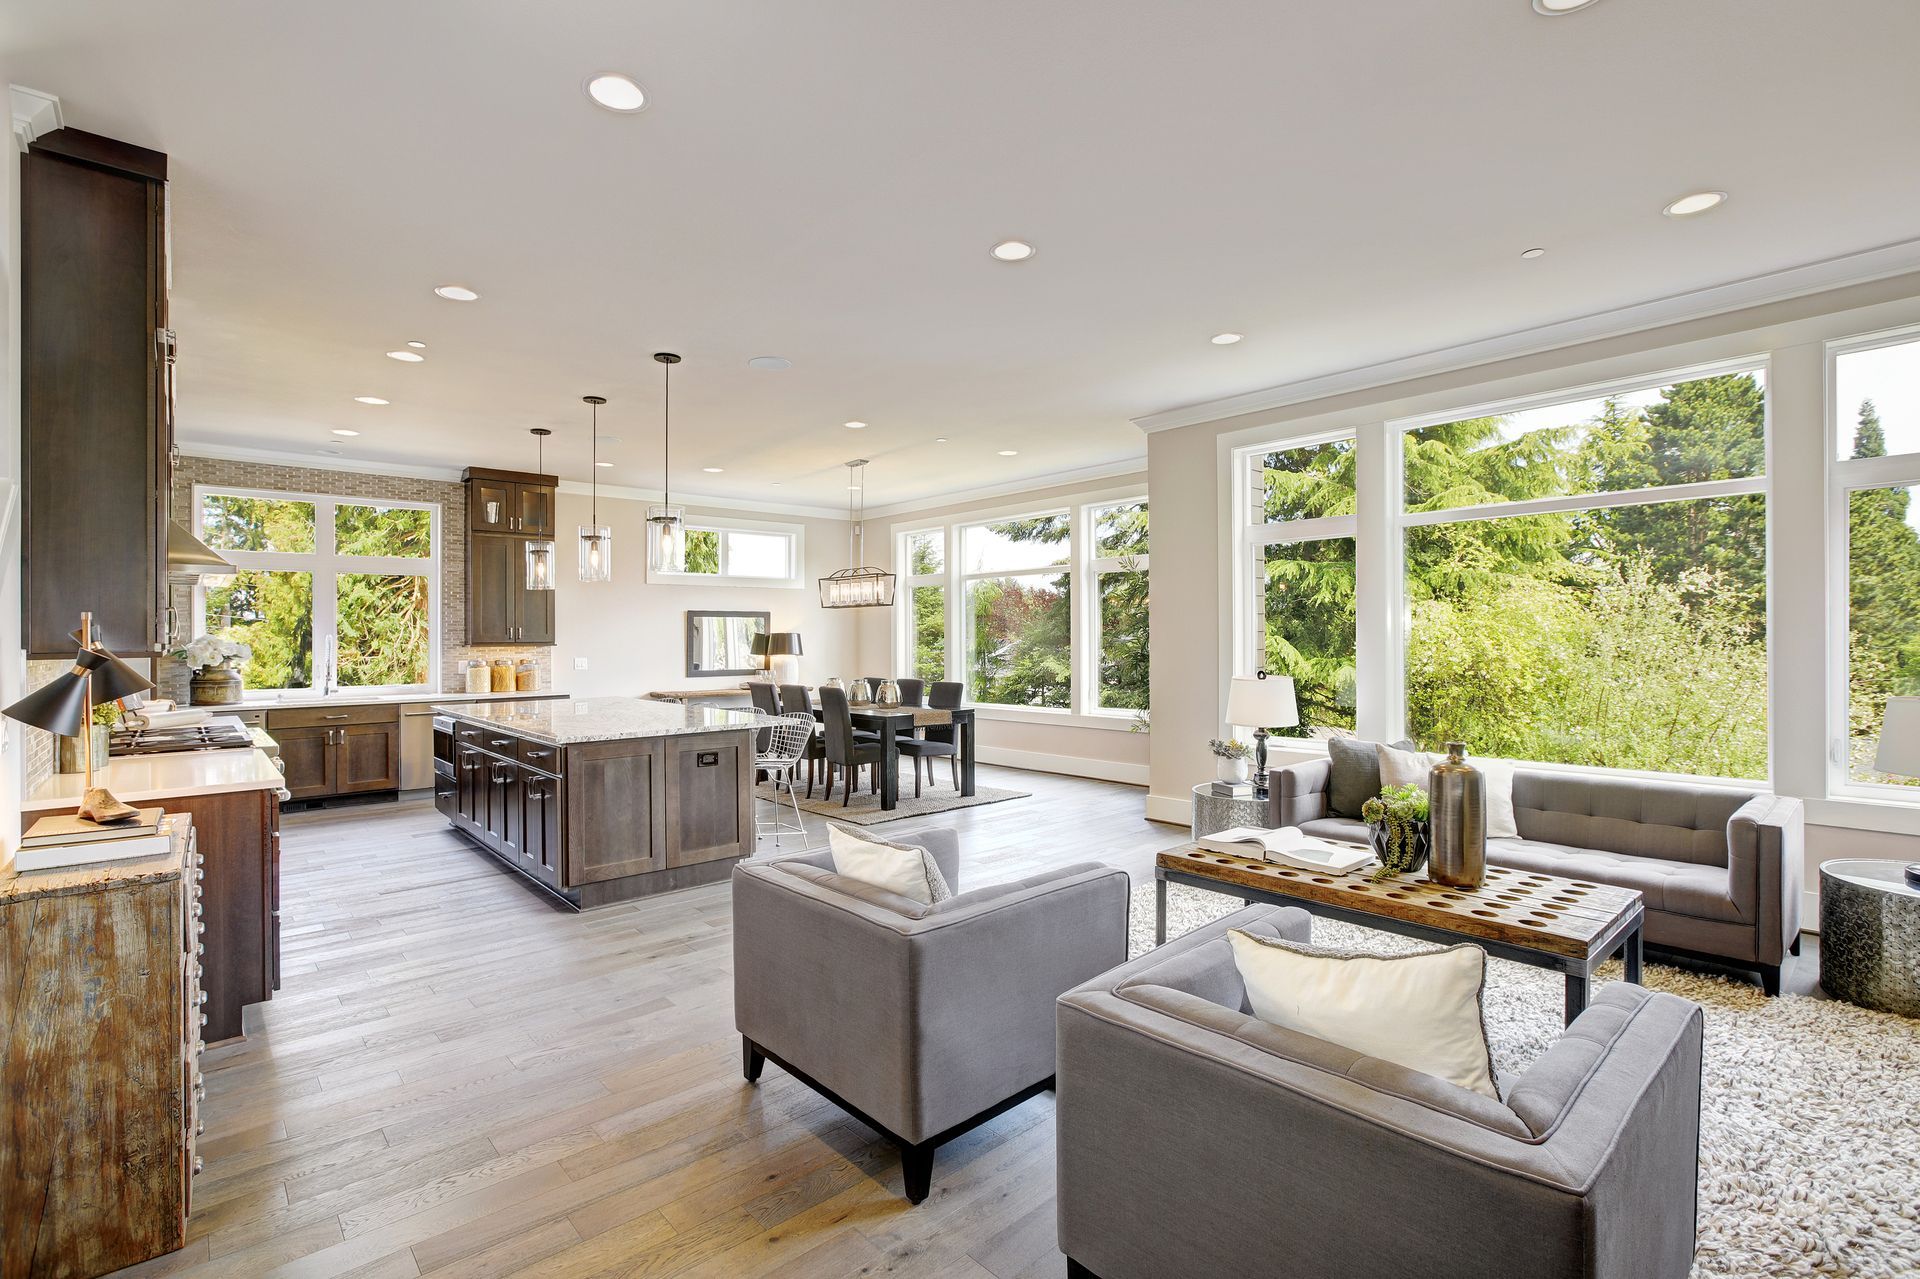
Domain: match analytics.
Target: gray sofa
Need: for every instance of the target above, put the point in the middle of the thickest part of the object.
(920, 1021)
(1195, 1140)
(1720, 869)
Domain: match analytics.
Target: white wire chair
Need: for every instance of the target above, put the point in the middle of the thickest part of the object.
(779, 748)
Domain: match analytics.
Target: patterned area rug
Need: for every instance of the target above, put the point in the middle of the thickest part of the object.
(865, 810)
(1810, 1108)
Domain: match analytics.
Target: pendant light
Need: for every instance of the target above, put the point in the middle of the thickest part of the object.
(667, 522)
(856, 586)
(539, 554)
(596, 540)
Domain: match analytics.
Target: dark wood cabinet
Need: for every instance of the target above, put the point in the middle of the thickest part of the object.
(350, 751)
(96, 425)
(505, 511)
(510, 502)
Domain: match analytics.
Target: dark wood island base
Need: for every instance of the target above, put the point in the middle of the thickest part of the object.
(602, 800)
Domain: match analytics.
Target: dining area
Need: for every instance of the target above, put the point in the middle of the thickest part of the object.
(876, 723)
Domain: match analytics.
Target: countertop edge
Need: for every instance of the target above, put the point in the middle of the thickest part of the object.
(265, 776)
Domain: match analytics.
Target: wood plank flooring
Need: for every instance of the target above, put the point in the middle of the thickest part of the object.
(458, 1079)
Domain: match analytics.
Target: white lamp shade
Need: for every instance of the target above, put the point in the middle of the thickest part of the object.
(1899, 752)
(1262, 701)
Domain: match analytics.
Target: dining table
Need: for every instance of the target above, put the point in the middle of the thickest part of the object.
(894, 722)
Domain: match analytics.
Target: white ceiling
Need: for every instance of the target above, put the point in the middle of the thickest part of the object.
(1345, 183)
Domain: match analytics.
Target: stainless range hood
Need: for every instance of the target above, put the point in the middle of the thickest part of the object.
(188, 556)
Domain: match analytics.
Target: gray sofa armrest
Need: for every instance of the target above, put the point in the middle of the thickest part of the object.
(1766, 865)
(1299, 792)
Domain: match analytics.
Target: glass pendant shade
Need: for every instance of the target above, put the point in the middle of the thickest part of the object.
(539, 566)
(596, 553)
(857, 588)
(669, 525)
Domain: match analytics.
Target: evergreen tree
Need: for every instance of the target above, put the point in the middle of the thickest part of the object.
(1870, 439)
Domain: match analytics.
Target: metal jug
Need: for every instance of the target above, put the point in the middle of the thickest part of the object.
(888, 694)
(1457, 821)
(858, 693)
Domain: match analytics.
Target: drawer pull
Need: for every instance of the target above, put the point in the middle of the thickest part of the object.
(199, 1092)
(502, 741)
(203, 999)
(198, 1164)
(203, 1021)
(342, 715)
(199, 949)
(199, 908)
(199, 1127)
(200, 929)
(199, 1047)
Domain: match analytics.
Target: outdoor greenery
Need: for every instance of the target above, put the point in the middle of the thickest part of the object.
(1631, 637)
(381, 625)
(1884, 602)
(703, 550)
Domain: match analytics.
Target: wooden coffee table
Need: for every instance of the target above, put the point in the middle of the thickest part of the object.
(1568, 925)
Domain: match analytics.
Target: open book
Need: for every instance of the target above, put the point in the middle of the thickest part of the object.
(1289, 847)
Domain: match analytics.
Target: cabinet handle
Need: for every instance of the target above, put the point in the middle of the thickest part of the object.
(342, 715)
(203, 999)
(503, 741)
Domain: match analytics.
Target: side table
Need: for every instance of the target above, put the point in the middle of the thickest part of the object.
(1213, 812)
(1870, 935)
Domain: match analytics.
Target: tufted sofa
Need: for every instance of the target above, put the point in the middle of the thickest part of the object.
(1720, 870)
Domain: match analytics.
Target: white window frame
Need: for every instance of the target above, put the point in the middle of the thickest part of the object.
(1380, 526)
(1083, 709)
(1845, 476)
(905, 659)
(326, 565)
(793, 579)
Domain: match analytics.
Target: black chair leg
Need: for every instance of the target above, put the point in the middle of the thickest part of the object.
(955, 761)
(1077, 1271)
(846, 789)
(916, 1169)
(751, 1060)
(1770, 979)
(916, 777)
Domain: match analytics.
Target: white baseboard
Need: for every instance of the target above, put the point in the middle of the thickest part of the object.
(1104, 770)
(1165, 808)
(1810, 911)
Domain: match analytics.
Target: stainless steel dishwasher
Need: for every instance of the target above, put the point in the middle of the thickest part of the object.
(416, 746)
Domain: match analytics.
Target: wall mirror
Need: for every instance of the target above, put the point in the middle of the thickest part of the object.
(721, 642)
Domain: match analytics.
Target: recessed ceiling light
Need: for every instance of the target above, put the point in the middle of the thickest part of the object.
(409, 357)
(457, 293)
(418, 346)
(773, 363)
(712, 470)
(1531, 254)
(939, 439)
(346, 431)
(1699, 202)
(1556, 8)
(603, 464)
(1009, 452)
(856, 426)
(370, 399)
(616, 92)
(1012, 250)
(1225, 339)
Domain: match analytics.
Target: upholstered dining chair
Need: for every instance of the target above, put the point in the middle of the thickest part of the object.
(843, 748)
(913, 692)
(763, 697)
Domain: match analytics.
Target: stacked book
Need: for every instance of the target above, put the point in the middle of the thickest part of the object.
(72, 841)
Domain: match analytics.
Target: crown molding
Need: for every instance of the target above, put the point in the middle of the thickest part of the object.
(1032, 484)
(1865, 267)
(317, 461)
(627, 492)
(35, 114)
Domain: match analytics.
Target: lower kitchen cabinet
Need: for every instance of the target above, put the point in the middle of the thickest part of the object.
(349, 751)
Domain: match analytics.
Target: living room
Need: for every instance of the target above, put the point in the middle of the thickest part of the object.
(1096, 641)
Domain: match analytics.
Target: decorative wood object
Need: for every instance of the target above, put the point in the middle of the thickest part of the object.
(99, 1062)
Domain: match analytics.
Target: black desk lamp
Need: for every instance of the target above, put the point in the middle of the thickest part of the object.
(65, 706)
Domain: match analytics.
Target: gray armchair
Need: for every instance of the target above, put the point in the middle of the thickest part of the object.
(1195, 1140)
(920, 1021)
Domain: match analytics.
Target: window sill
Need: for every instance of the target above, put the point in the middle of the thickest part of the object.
(1852, 812)
(1121, 722)
(716, 579)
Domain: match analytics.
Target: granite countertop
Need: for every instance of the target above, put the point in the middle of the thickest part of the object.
(601, 719)
(349, 698)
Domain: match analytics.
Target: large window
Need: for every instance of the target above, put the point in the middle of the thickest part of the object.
(347, 582)
(1043, 610)
(1301, 555)
(1586, 581)
(1876, 420)
(736, 553)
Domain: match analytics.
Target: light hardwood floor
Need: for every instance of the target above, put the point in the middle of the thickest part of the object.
(458, 1079)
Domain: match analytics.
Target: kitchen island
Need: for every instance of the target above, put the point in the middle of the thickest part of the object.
(601, 799)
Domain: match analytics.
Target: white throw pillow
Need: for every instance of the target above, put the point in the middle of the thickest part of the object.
(1403, 768)
(905, 869)
(1419, 1010)
(1415, 768)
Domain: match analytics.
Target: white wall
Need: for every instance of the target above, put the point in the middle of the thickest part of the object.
(13, 665)
(1048, 741)
(1188, 469)
(633, 632)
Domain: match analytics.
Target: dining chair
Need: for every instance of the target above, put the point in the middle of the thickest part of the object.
(944, 695)
(913, 692)
(795, 701)
(764, 699)
(927, 749)
(843, 748)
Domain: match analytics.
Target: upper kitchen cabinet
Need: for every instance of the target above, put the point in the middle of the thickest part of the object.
(96, 392)
(510, 502)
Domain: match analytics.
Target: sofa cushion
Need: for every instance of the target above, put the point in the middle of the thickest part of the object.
(1418, 1009)
(1346, 830)
(1634, 816)
(906, 869)
(1677, 887)
(1354, 773)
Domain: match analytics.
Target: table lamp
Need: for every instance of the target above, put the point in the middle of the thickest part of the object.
(65, 706)
(1899, 752)
(783, 656)
(1261, 702)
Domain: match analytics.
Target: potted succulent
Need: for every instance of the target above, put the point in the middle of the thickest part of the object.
(1230, 759)
(216, 664)
(1397, 828)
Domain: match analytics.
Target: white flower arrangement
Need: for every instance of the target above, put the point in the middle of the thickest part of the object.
(211, 653)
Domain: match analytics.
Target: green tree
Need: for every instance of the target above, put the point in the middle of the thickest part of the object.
(1883, 597)
(1870, 438)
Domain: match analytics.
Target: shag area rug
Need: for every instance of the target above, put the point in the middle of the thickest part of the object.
(1810, 1108)
(865, 810)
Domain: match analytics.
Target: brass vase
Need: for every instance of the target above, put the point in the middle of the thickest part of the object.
(1458, 818)
(216, 686)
